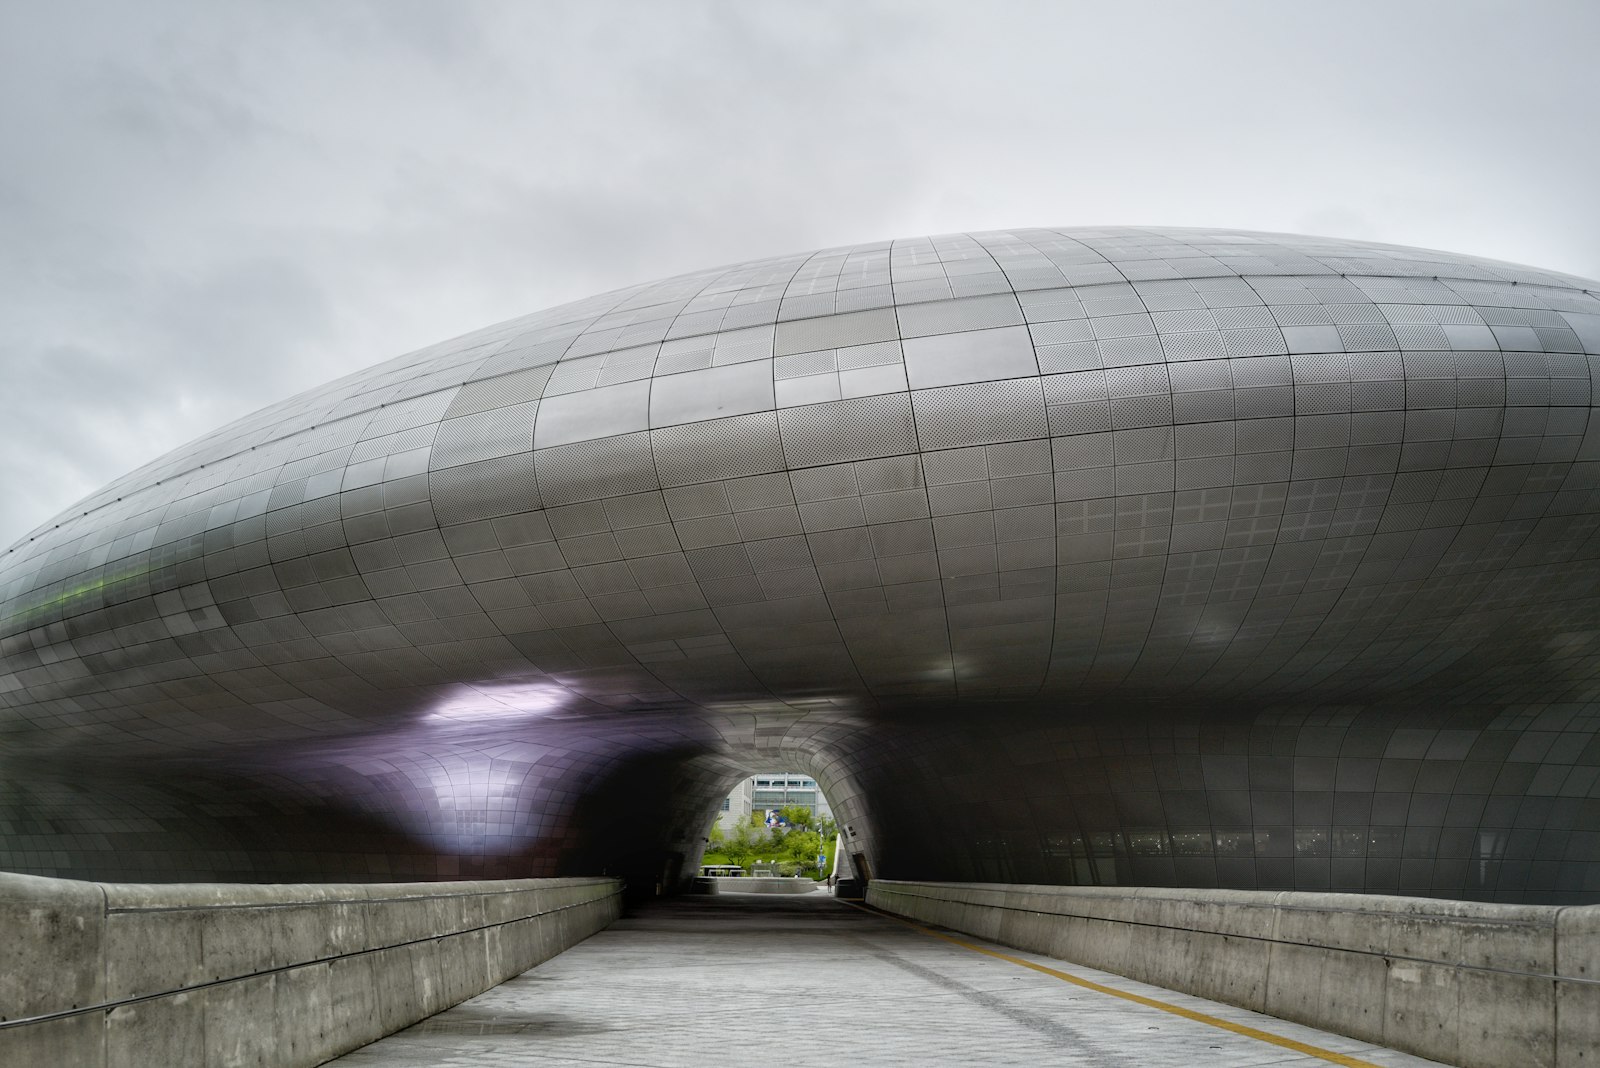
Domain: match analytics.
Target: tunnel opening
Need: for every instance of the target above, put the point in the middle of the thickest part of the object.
(772, 825)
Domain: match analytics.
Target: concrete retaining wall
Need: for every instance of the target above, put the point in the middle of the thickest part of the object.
(102, 974)
(758, 884)
(1478, 985)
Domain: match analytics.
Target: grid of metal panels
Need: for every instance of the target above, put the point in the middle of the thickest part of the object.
(1063, 468)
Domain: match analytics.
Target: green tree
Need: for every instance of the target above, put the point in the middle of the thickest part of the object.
(743, 844)
(796, 816)
(803, 847)
(827, 828)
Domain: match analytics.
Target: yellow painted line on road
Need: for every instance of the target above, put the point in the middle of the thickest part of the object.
(1138, 999)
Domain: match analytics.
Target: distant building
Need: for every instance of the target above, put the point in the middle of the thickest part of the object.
(771, 790)
(737, 806)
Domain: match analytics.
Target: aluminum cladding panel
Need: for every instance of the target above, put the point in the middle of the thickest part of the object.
(1190, 463)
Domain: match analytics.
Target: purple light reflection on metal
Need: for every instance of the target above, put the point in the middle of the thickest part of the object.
(483, 807)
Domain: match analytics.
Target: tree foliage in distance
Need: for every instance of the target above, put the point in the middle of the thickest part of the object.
(791, 850)
(804, 846)
(796, 816)
(744, 843)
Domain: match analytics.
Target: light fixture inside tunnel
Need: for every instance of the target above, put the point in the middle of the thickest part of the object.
(508, 701)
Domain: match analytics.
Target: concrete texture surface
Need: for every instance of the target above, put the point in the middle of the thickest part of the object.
(759, 884)
(94, 975)
(757, 979)
(1473, 984)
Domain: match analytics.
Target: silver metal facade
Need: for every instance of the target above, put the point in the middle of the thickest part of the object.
(1185, 556)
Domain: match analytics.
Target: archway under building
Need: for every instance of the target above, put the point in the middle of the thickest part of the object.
(1348, 798)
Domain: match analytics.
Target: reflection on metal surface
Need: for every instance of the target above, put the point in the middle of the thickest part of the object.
(1222, 558)
(470, 704)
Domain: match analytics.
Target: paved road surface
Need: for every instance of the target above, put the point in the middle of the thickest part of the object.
(755, 980)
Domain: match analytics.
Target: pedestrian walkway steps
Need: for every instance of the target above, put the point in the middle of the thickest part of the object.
(756, 979)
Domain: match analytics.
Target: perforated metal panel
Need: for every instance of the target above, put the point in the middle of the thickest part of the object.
(1144, 555)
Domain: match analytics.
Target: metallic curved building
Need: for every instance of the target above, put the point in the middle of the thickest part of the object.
(1139, 556)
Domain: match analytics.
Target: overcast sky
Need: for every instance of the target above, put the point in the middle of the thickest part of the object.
(205, 207)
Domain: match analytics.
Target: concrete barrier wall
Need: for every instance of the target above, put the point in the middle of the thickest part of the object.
(102, 974)
(1478, 985)
(757, 884)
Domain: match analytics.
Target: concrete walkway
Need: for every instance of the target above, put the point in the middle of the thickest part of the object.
(756, 980)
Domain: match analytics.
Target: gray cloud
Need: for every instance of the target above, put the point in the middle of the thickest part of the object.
(206, 208)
